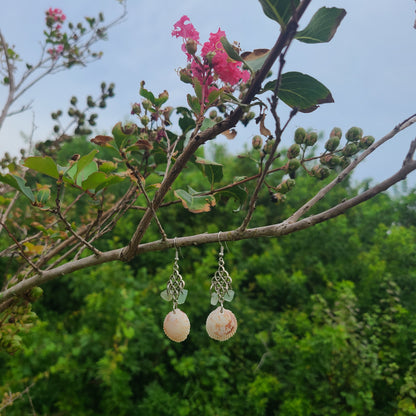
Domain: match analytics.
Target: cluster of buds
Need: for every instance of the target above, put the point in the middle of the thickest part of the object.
(54, 19)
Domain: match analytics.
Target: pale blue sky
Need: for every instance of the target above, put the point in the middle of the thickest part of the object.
(369, 66)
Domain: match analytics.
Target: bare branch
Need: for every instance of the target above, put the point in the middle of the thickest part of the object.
(7, 212)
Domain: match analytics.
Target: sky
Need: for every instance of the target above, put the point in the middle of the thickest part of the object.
(369, 66)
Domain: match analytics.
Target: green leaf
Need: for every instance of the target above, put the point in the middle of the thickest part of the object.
(18, 183)
(301, 91)
(237, 193)
(85, 161)
(45, 165)
(255, 64)
(182, 296)
(43, 194)
(279, 10)
(212, 96)
(194, 104)
(94, 180)
(147, 94)
(195, 203)
(198, 89)
(230, 50)
(323, 25)
(207, 123)
(212, 170)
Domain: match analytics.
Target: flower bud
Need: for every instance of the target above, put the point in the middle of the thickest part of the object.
(73, 100)
(300, 134)
(330, 160)
(336, 132)
(285, 186)
(366, 142)
(354, 134)
(320, 172)
(257, 142)
(268, 147)
(311, 138)
(144, 120)
(213, 114)
(332, 143)
(191, 46)
(147, 105)
(293, 151)
(136, 109)
(130, 128)
(185, 76)
(350, 149)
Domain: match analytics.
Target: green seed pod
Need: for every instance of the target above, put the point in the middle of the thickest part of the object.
(350, 149)
(336, 132)
(366, 142)
(268, 146)
(300, 134)
(257, 142)
(292, 166)
(218, 119)
(213, 114)
(354, 134)
(54, 116)
(311, 138)
(332, 144)
(285, 186)
(320, 172)
(144, 120)
(293, 151)
(73, 100)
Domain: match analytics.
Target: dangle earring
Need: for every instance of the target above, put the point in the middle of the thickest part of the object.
(221, 323)
(176, 324)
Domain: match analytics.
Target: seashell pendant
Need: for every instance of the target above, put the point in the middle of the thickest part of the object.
(176, 325)
(221, 325)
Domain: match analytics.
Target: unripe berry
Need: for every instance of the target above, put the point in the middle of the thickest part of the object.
(286, 186)
(257, 142)
(366, 142)
(336, 132)
(213, 114)
(332, 144)
(354, 134)
(293, 151)
(311, 138)
(300, 134)
(350, 149)
(268, 146)
(320, 172)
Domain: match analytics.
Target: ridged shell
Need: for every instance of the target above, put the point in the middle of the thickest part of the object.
(176, 325)
(221, 325)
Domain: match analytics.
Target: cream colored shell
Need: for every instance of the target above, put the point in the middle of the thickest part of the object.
(221, 325)
(176, 325)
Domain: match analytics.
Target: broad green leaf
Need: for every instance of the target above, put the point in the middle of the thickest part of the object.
(182, 296)
(254, 60)
(45, 165)
(186, 122)
(231, 52)
(212, 170)
(43, 194)
(195, 203)
(207, 123)
(301, 91)
(18, 183)
(279, 10)
(213, 95)
(194, 104)
(112, 180)
(95, 179)
(322, 26)
(166, 296)
(147, 94)
(237, 193)
(198, 89)
(120, 137)
(85, 161)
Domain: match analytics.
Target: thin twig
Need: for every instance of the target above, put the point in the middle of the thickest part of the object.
(8, 209)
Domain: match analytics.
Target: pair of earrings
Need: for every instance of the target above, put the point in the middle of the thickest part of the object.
(221, 323)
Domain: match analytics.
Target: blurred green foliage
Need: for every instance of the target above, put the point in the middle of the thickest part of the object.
(326, 319)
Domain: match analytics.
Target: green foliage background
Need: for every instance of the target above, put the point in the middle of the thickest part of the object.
(326, 319)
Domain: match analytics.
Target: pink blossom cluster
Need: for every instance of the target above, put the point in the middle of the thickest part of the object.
(54, 18)
(214, 64)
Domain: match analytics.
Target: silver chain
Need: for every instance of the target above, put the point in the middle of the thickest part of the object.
(175, 283)
(221, 281)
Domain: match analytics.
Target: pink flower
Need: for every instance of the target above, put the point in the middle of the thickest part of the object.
(185, 30)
